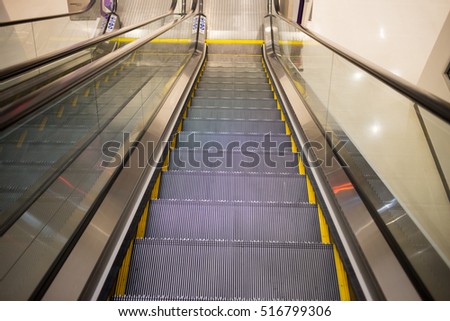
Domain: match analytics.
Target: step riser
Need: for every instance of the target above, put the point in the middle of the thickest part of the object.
(234, 113)
(237, 126)
(248, 161)
(268, 143)
(222, 102)
(233, 94)
(246, 222)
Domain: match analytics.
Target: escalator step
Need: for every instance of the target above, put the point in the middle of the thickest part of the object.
(228, 141)
(227, 186)
(238, 126)
(282, 222)
(229, 270)
(215, 159)
(211, 93)
(233, 102)
(239, 70)
(228, 74)
(205, 81)
(232, 86)
(234, 113)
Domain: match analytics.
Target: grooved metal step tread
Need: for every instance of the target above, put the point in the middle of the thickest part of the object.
(238, 126)
(228, 141)
(245, 160)
(229, 270)
(233, 80)
(234, 102)
(233, 186)
(233, 86)
(252, 94)
(213, 74)
(282, 222)
(234, 113)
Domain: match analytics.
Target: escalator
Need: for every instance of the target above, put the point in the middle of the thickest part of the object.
(177, 169)
(234, 218)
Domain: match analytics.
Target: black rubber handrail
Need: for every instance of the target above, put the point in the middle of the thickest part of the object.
(35, 100)
(28, 65)
(423, 98)
(16, 22)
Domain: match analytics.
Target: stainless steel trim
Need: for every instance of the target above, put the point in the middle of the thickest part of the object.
(15, 22)
(376, 268)
(426, 100)
(86, 270)
(20, 68)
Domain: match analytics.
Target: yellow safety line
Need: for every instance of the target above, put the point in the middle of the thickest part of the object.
(43, 123)
(97, 84)
(122, 278)
(294, 145)
(323, 227)
(143, 222)
(60, 112)
(235, 41)
(75, 101)
(344, 289)
(22, 139)
(301, 166)
(159, 40)
(155, 190)
(291, 42)
(311, 193)
(106, 78)
(166, 162)
(87, 92)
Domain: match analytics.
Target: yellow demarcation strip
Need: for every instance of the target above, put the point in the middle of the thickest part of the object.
(342, 276)
(74, 101)
(159, 40)
(311, 193)
(344, 290)
(234, 41)
(294, 145)
(143, 222)
(288, 130)
(60, 112)
(166, 162)
(43, 123)
(87, 92)
(155, 190)
(323, 227)
(22, 139)
(121, 283)
(301, 165)
(291, 42)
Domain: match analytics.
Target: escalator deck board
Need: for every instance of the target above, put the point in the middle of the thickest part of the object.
(229, 270)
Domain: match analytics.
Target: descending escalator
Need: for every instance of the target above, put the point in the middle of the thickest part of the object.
(234, 216)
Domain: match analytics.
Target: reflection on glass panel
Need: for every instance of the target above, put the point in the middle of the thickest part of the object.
(389, 155)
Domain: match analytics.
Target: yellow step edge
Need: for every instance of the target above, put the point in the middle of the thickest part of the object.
(288, 130)
(143, 222)
(160, 40)
(293, 144)
(155, 190)
(43, 123)
(87, 92)
(283, 118)
(311, 193)
(301, 165)
(75, 101)
(344, 289)
(60, 112)
(22, 139)
(166, 162)
(122, 278)
(323, 227)
(234, 41)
